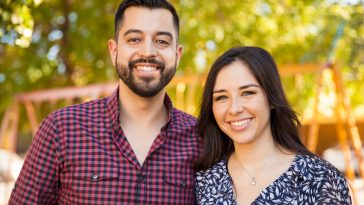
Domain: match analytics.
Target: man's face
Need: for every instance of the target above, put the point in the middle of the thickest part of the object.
(146, 53)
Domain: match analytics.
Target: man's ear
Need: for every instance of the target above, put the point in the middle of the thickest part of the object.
(179, 53)
(113, 50)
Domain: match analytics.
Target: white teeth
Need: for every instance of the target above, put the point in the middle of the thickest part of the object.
(241, 123)
(146, 68)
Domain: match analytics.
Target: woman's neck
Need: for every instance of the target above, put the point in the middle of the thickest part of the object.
(254, 153)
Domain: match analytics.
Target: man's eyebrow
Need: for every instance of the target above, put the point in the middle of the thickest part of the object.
(132, 31)
(158, 33)
(165, 33)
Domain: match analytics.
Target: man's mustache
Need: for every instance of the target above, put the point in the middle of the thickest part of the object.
(147, 60)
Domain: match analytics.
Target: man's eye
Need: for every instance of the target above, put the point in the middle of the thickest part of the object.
(134, 40)
(162, 42)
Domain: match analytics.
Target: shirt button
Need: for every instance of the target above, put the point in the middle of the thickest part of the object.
(141, 177)
(95, 177)
(183, 183)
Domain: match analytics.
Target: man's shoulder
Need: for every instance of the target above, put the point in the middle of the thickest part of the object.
(85, 109)
(184, 118)
(183, 125)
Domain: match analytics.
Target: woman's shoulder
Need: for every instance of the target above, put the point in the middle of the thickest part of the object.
(214, 185)
(326, 184)
(313, 166)
(214, 173)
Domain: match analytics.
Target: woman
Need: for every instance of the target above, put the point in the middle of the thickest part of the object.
(253, 153)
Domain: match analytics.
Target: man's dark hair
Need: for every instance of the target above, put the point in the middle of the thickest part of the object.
(151, 4)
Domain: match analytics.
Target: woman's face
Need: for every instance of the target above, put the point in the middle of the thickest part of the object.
(240, 105)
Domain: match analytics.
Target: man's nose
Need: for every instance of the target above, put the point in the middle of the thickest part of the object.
(148, 49)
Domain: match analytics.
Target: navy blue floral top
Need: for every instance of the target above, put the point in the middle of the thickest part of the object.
(309, 180)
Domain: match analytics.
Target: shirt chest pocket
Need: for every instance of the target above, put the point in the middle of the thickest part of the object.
(97, 182)
(96, 173)
(179, 176)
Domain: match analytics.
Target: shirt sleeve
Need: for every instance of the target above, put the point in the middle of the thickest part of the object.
(334, 190)
(37, 182)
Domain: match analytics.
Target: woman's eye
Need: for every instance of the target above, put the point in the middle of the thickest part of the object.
(246, 93)
(220, 98)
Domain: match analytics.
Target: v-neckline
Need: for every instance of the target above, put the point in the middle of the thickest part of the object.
(231, 184)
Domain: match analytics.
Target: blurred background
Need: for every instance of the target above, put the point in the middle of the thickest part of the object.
(54, 54)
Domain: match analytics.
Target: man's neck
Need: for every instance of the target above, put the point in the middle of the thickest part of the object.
(134, 108)
(141, 119)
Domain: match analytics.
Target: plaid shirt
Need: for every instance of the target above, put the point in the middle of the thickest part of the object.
(80, 155)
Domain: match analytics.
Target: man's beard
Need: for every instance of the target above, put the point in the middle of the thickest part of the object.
(145, 87)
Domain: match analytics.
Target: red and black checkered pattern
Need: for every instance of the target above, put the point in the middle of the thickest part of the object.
(81, 156)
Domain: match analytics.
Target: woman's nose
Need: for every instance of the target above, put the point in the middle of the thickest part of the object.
(236, 106)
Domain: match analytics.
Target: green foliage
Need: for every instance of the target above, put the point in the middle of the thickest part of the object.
(68, 41)
(16, 22)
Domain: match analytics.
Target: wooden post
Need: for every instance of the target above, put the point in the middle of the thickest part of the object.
(350, 120)
(314, 124)
(4, 128)
(31, 116)
(13, 127)
(342, 108)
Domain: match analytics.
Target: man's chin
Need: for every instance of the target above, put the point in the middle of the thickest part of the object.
(145, 88)
(145, 83)
(146, 93)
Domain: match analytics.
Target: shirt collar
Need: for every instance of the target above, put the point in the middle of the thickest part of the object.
(112, 107)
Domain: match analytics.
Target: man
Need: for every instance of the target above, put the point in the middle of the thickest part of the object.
(130, 148)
